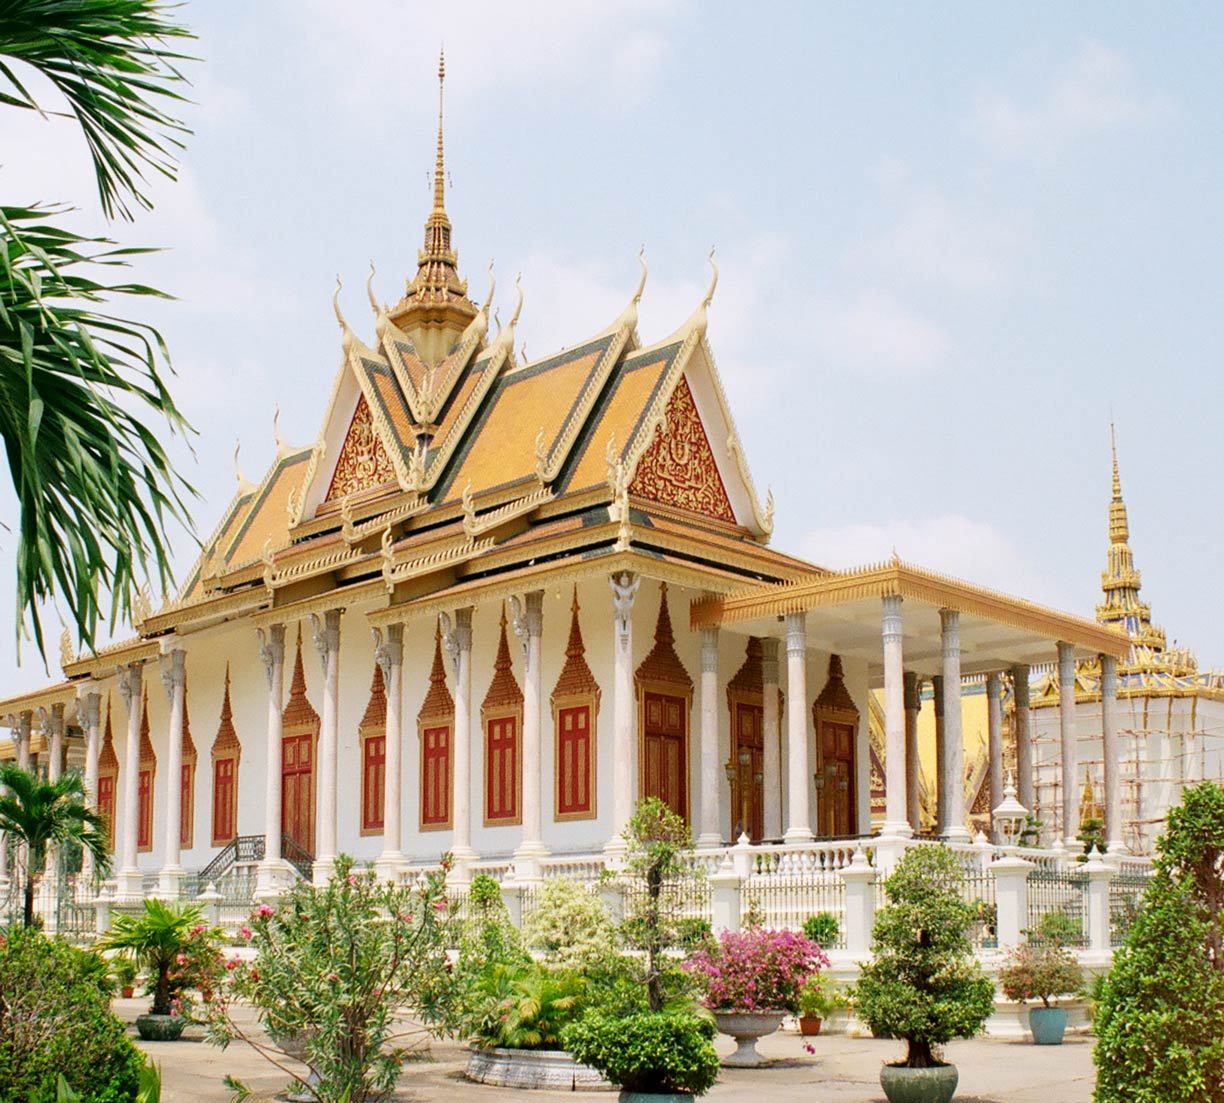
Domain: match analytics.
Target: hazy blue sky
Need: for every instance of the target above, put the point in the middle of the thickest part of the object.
(953, 239)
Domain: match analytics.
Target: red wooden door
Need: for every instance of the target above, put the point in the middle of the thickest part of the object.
(501, 769)
(835, 794)
(224, 804)
(373, 782)
(144, 819)
(186, 807)
(435, 776)
(748, 734)
(664, 747)
(106, 805)
(297, 789)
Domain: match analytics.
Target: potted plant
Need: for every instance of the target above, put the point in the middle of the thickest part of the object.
(178, 951)
(751, 981)
(922, 984)
(1044, 972)
(818, 999)
(124, 971)
(655, 1056)
(823, 929)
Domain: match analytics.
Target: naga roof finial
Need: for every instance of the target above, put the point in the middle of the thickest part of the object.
(637, 295)
(378, 310)
(347, 333)
(709, 295)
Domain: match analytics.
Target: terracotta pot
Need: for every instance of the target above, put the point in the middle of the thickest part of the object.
(809, 1025)
(127, 991)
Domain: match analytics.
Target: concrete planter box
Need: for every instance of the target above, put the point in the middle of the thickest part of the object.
(550, 1069)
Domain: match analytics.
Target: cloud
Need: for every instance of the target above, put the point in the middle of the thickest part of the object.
(952, 544)
(874, 333)
(1094, 94)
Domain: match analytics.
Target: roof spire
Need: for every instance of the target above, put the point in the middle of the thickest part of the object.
(439, 206)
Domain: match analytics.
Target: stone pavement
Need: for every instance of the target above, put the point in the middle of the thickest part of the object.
(843, 1070)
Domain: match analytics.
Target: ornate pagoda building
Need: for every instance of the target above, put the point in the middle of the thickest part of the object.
(496, 602)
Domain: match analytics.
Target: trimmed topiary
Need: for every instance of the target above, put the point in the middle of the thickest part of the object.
(651, 1051)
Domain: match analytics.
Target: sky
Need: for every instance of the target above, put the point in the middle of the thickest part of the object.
(954, 241)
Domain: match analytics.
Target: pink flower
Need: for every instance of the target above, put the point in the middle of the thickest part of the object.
(232, 964)
(244, 932)
(264, 911)
(333, 977)
(197, 930)
(440, 905)
(181, 959)
(352, 879)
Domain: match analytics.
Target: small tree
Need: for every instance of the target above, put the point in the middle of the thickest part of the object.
(46, 814)
(569, 927)
(658, 874)
(1160, 1019)
(922, 983)
(334, 966)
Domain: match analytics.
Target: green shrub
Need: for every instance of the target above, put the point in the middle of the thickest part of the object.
(1058, 929)
(522, 1006)
(1033, 972)
(822, 928)
(55, 1018)
(569, 926)
(1160, 1018)
(922, 984)
(652, 1051)
(820, 997)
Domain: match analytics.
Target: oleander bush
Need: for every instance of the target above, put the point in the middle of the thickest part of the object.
(1160, 1016)
(649, 1051)
(55, 1019)
(569, 927)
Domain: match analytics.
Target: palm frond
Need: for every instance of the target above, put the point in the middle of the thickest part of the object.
(111, 61)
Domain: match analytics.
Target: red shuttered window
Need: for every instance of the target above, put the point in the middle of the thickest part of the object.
(574, 747)
(502, 770)
(435, 776)
(373, 782)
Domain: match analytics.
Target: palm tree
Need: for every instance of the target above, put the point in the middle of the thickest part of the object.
(93, 482)
(155, 939)
(45, 814)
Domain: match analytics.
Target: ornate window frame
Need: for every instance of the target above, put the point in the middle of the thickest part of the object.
(437, 714)
(503, 701)
(576, 688)
(108, 770)
(225, 747)
(146, 793)
(299, 718)
(373, 727)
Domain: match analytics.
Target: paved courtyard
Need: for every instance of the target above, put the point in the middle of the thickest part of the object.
(843, 1070)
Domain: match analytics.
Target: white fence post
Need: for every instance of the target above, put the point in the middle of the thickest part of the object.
(210, 904)
(725, 898)
(860, 902)
(512, 897)
(1097, 901)
(1011, 899)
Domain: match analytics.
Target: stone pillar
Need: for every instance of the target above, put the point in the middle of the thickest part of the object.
(711, 767)
(624, 707)
(273, 874)
(952, 768)
(89, 713)
(1110, 749)
(327, 642)
(174, 679)
(1011, 899)
(1096, 898)
(771, 736)
(532, 849)
(724, 899)
(859, 878)
(798, 778)
(25, 723)
(994, 735)
(896, 815)
(941, 805)
(1069, 827)
(913, 704)
(1024, 739)
(389, 654)
(53, 735)
(52, 723)
(459, 645)
(128, 883)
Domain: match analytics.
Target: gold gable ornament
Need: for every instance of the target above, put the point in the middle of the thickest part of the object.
(363, 463)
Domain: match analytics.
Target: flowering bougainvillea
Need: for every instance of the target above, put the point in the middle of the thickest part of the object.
(756, 970)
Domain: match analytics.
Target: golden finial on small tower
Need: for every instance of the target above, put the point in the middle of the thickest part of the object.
(1113, 451)
(439, 164)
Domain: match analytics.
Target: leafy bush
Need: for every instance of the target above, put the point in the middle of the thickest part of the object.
(922, 983)
(823, 929)
(1041, 973)
(1160, 1020)
(55, 1018)
(523, 1006)
(819, 998)
(649, 1051)
(756, 970)
(1058, 929)
(334, 967)
(569, 926)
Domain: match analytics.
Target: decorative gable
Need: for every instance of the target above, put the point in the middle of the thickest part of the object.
(504, 690)
(363, 463)
(108, 761)
(662, 664)
(226, 741)
(438, 703)
(678, 468)
(375, 717)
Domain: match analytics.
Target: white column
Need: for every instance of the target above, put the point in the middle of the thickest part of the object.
(952, 768)
(531, 849)
(896, 815)
(25, 723)
(53, 726)
(798, 778)
(389, 654)
(624, 708)
(327, 642)
(913, 703)
(1023, 731)
(273, 873)
(89, 714)
(128, 880)
(771, 762)
(941, 799)
(994, 735)
(174, 679)
(1070, 750)
(711, 767)
(1109, 742)
(459, 646)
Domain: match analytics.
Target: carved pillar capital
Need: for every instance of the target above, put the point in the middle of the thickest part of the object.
(130, 682)
(173, 670)
(625, 586)
(913, 690)
(388, 648)
(769, 661)
(271, 649)
(891, 626)
(1109, 675)
(796, 634)
(325, 631)
(89, 710)
(949, 633)
(709, 651)
(1020, 685)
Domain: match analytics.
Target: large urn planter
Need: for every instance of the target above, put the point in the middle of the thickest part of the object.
(160, 1028)
(931, 1085)
(1048, 1025)
(746, 1027)
(549, 1069)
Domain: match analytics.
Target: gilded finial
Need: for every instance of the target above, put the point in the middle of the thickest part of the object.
(497, 321)
(1113, 451)
(518, 309)
(281, 446)
(439, 164)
